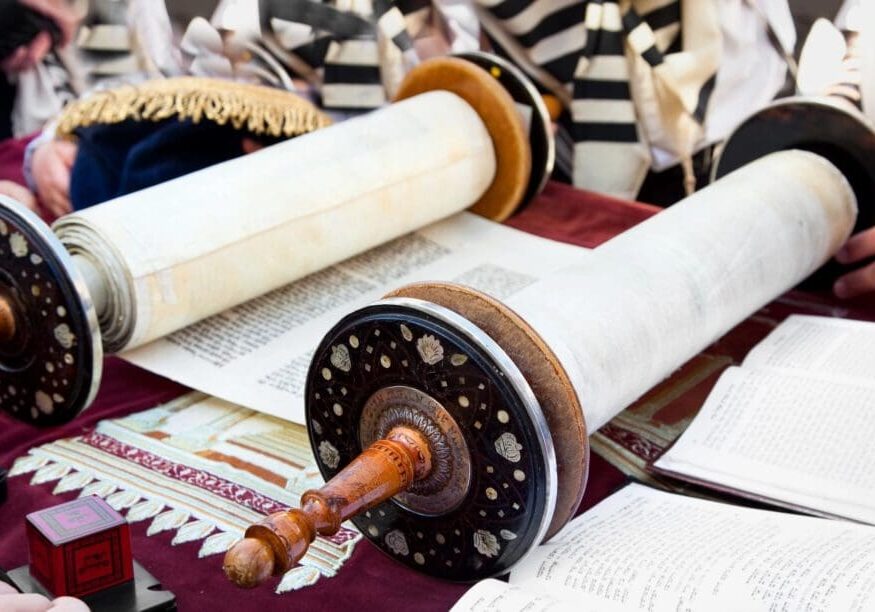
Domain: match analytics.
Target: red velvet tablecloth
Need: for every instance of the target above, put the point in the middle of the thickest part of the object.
(369, 580)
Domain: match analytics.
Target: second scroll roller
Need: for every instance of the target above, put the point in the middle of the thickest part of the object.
(452, 427)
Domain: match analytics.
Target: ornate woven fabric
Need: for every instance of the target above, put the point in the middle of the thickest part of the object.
(198, 466)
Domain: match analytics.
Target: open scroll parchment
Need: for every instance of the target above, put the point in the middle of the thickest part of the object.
(257, 354)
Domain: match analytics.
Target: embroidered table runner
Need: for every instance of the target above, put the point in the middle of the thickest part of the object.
(201, 467)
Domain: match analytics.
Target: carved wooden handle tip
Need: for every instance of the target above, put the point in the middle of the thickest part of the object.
(249, 563)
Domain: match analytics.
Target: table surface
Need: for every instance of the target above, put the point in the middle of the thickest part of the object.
(369, 580)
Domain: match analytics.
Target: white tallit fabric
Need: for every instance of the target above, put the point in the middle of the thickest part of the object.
(867, 59)
(751, 71)
(43, 91)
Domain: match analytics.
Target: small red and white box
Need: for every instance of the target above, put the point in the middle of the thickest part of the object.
(79, 547)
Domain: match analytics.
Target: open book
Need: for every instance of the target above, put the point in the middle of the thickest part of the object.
(793, 426)
(643, 549)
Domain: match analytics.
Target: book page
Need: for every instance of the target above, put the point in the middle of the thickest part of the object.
(257, 354)
(497, 596)
(643, 549)
(842, 349)
(793, 439)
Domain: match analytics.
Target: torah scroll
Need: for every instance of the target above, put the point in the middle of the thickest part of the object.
(470, 415)
(183, 250)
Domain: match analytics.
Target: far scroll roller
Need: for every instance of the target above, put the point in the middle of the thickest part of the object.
(133, 269)
(474, 413)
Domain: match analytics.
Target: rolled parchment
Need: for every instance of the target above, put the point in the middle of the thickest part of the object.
(183, 250)
(656, 295)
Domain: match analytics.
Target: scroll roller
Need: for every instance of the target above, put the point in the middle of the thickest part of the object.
(452, 427)
(128, 271)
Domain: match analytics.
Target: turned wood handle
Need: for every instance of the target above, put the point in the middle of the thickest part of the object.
(7, 320)
(273, 546)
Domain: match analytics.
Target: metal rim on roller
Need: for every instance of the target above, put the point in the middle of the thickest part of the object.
(406, 342)
(51, 370)
(540, 129)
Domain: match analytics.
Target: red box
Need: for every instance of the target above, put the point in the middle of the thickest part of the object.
(79, 547)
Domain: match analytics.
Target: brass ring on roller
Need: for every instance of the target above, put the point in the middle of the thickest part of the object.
(499, 114)
(541, 369)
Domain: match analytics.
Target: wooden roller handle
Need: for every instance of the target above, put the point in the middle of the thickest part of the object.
(273, 546)
(7, 320)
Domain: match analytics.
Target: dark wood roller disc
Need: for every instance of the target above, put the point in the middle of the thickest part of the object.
(498, 489)
(533, 112)
(499, 113)
(50, 364)
(832, 128)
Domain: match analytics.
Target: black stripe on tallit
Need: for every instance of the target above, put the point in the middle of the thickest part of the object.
(353, 74)
(561, 20)
(631, 21)
(402, 40)
(509, 8)
(652, 56)
(411, 6)
(598, 89)
(663, 17)
(704, 98)
(604, 131)
(562, 68)
(604, 42)
(313, 53)
(381, 7)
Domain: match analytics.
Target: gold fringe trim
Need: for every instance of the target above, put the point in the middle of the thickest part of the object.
(258, 109)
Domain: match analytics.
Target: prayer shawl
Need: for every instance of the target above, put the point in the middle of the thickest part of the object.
(631, 75)
(363, 47)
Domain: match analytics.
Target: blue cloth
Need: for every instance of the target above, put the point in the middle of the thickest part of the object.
(121, 158)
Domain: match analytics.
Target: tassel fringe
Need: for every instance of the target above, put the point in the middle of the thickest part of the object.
(257, 109)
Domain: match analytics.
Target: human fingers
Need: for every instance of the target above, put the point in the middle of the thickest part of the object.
(59, 12)
(39, 47)
(68, 604)
(56, 201)
(28, 602)
(16, 61)
(6, 589)
(19, 193)
(66, 151)
(855, 283)
(858, 246)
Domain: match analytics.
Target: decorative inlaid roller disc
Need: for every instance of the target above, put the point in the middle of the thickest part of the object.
(496, 500)
(50, 366)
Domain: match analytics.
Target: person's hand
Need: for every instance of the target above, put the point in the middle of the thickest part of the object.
(51, 167)
(19, 193)
(26, 56)
(13, 601)
(58, 11)
(857, 248)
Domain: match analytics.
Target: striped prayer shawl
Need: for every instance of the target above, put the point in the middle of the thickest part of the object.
(626, 78)
(361, 71)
